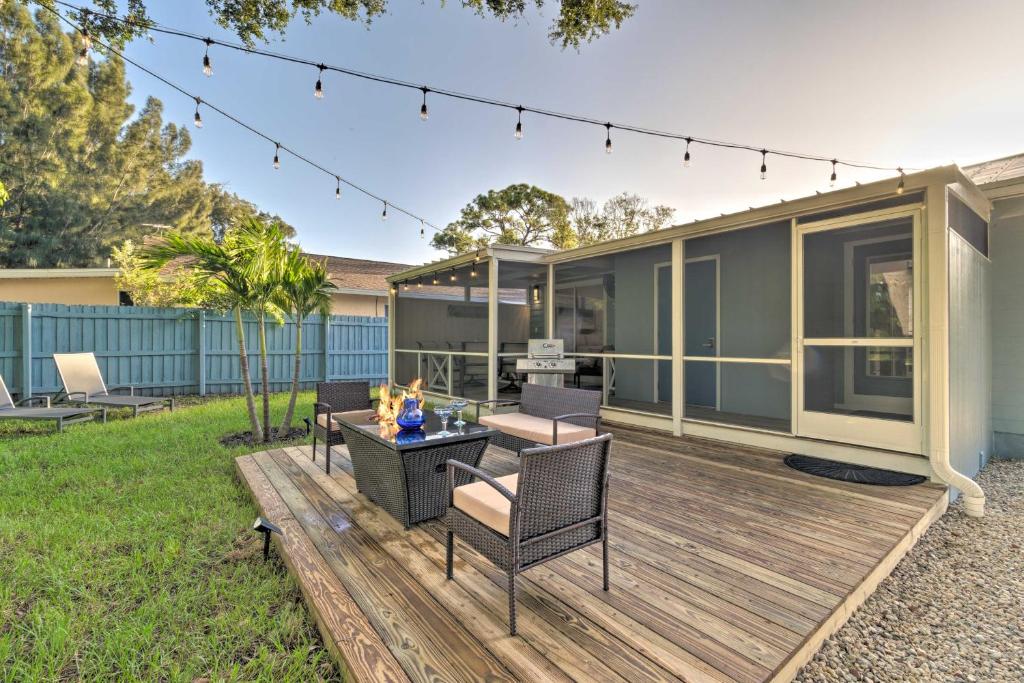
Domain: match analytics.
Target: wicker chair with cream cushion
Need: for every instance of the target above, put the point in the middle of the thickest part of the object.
(557, 503)
(351, 398)
(546, 416)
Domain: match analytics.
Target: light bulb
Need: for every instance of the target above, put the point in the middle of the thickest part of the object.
(764, 165)
(198, 120)
(318, 90)
(434, 279)
(83, 57)
(686, 156)
(519, 124)
(900, 187)
(452, 278)
(207, 66)
(337, 190)
(277, 158)
(608, 138)
(423, 107)
(384, 214)
(423, 231)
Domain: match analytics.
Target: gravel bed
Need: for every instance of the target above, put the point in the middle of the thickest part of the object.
(953, 609)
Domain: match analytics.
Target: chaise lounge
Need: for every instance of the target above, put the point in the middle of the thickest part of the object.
(546, 416)
(13, 410)
(83, 383)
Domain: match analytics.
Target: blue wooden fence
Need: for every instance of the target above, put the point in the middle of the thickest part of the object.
(162, 351)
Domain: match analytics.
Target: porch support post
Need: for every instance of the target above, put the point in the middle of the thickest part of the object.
(391, 333)
(678, 331)
(549, 299)
(492, 328)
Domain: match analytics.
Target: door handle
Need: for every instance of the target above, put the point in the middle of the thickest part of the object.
(709, 344)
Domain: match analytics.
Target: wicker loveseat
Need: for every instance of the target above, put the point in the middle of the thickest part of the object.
(546, 416)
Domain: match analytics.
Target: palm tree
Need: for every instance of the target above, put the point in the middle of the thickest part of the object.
(263, 249)
(230, 289)
(305, 289)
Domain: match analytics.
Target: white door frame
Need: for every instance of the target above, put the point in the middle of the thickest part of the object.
(855, 429)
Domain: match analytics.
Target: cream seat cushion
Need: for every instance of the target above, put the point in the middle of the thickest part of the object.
(356, 416)
(536, 428)
(483, 503)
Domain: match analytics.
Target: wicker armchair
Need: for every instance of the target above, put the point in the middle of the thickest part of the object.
(557, 503)
(546, 415)
(336, 397)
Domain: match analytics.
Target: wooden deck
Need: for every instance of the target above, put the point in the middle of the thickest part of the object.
(726, 566)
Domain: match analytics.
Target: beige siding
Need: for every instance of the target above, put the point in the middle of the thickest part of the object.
(358, 304)
(91, 291)
(1007, 251)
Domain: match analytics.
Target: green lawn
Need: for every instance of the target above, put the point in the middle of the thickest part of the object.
(126, 553)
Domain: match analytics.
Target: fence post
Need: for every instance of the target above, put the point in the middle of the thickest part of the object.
(26, 350)
(325, 320)
(201, 331)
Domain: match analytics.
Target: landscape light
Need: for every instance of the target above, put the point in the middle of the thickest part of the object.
(266, 528)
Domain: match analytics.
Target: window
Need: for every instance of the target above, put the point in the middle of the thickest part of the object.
(890, 297)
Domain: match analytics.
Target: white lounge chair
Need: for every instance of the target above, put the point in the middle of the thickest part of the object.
(83, 383)
(14, 410)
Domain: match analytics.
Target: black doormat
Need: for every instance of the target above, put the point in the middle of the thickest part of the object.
(858, 474)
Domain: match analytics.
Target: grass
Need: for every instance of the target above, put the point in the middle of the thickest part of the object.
(126, 553)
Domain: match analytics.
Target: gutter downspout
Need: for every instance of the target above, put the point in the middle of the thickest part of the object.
(974, 497)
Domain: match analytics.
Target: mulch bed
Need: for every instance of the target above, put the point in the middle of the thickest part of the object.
(245, 438)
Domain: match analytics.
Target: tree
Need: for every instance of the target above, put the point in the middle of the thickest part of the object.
(578, 21)
(623, 215)
(225, 265)
(3, 193)
(172, 286)
(529, 216)
(84, 170)
(519, 214)
(305, 289)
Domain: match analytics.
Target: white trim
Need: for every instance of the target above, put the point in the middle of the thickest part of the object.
(730, 359)
(678, 335)
(55, 273)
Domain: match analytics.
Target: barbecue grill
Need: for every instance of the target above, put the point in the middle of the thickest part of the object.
(546, 363)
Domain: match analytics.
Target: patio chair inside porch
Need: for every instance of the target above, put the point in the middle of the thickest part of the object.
(22, 409)
(557, 503)
(83, 383)
(546, 415)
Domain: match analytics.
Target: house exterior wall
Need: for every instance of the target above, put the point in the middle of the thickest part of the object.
(970, 357)
(359, 304)
(90, 291)
(1007, 237)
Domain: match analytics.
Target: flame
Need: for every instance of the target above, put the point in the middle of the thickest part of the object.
(390, 403)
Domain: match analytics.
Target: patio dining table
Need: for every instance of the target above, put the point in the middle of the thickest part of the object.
(404, 472)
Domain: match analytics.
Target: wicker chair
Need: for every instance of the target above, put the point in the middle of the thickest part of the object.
(557, 503)
(546, 416)
(336, 397)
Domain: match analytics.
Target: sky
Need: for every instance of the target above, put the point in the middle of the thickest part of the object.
(915, 83)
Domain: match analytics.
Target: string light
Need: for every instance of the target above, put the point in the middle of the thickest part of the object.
(686, 156)
(207, 67)
(434, 279)
(405, 286)
(419, 283)
(764, 164)
(83, 53)
(337, 190)
(608, 138)
(318, 90)
(469, 97)
(519, 124)
(226, 114)
(900, 187)
(472, 272)
(277, 157)
(384, 214)
(452, 278)
(423, 231)
(394, 289)
(832, 178)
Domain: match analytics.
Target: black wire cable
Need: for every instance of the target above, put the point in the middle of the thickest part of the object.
(479, 99)
(234, 119)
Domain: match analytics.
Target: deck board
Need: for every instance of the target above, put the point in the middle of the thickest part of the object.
(726, 566)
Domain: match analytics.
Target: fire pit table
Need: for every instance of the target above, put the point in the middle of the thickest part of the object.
(405, 472)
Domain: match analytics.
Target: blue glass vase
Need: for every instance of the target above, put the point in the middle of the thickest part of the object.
(410, 416)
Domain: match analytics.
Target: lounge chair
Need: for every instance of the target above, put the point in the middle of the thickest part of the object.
(13, 410)
(83, 383)
(546, 415)
(557, 503)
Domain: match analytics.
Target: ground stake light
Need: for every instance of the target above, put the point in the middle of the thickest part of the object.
(266, 528)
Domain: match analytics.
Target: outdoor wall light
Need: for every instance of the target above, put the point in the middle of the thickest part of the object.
(536, 294)
(266, 528)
